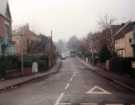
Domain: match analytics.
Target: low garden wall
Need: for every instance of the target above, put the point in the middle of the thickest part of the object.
(10, 66)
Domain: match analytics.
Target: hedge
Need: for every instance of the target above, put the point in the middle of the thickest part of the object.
(12, 63)
(8, 63)
(121, 65)
(41, 60)
(104, 54)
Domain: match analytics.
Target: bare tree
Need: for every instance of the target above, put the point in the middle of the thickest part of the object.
(106, 24)
(74, 43)
(60, 45)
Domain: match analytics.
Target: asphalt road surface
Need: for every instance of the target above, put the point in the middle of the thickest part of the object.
(73, 85)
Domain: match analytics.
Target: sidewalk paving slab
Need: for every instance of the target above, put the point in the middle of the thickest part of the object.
(121, 80)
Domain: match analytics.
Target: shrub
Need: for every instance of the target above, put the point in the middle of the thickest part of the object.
(41, 60)
(104, 54)
(8, 63)
(43, 65)
(28, 60)
(12, 63)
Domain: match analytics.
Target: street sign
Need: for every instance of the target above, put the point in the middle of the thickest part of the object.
(98, 90)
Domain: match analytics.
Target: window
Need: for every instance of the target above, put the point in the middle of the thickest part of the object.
(130, 40)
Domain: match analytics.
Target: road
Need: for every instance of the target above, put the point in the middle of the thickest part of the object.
(73, 85)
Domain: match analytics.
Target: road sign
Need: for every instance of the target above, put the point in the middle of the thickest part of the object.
(98, 90)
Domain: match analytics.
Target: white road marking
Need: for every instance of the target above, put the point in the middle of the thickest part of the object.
(59, 98)
(113, 104)
(67, 86)
(88, 104)
(71, 79)
(98, 90)
(65, 104)
(62, 94)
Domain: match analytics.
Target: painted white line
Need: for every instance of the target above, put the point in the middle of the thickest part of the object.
(98, 90)
(62, 94)
(88, 104)
(71, 79)
(74, 74)
(113, 104)
(65, 104)
(67, 86)
(59, 98)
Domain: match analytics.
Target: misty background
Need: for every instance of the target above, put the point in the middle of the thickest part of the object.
(68, 17)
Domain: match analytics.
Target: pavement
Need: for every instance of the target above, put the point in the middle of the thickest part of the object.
(13, 83)
(119, 79)
(74, 84)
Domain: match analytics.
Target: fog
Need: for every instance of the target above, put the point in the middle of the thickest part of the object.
(68, 17)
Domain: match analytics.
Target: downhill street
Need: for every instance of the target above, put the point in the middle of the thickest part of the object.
(75, 84)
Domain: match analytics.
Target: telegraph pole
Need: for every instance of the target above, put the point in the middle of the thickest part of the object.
(50, 50)
(51, 38)
(22, 56)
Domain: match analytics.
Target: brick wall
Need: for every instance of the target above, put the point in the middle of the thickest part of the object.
(123, 45)
(2, 26)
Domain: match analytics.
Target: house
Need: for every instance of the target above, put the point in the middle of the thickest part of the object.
(125, 40)
(24, 40)
(6, 45)
(20, 44)
(41, 46)
(102, 38)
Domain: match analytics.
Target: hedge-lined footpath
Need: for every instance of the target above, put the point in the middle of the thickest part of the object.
(11, 65)
(13, 83)
(113, 77)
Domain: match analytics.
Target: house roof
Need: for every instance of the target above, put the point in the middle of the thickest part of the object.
(3, 7)
(125, 28)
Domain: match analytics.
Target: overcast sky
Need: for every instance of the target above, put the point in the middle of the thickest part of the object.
(68, 17)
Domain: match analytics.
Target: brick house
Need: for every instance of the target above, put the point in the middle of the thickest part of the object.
(125, 40)
(24, 39)
(6, 45)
